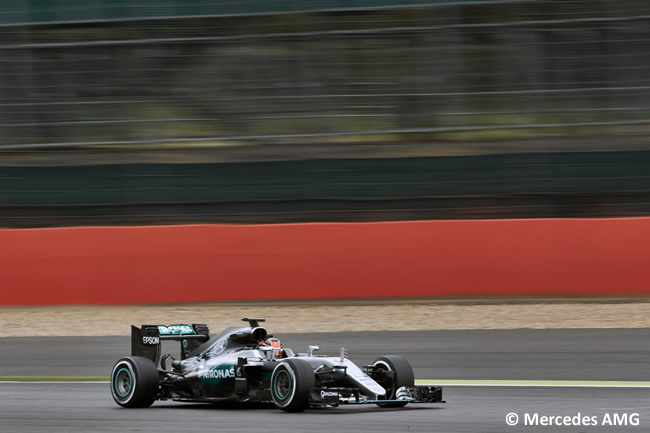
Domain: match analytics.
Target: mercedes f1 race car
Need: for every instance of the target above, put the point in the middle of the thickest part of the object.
(246, 364)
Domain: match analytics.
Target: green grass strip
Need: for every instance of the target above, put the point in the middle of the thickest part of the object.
(54, 379)
(576, 383)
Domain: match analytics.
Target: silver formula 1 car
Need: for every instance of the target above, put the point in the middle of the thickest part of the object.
(246, 364)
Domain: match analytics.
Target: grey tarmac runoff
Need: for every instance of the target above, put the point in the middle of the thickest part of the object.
(88, 407)
(570, 375)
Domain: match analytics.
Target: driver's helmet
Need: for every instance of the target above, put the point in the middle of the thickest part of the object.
(276, 344)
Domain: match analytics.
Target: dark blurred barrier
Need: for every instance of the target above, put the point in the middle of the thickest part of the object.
(121, 265)
(75, 73)
(592, 184)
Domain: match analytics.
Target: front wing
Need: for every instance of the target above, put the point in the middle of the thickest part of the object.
(412, 394)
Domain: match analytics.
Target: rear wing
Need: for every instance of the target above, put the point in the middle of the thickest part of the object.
(145, 341)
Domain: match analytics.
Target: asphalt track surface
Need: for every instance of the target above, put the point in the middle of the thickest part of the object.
(575, 355)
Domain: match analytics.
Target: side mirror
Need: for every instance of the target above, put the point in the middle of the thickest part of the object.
(313, 349)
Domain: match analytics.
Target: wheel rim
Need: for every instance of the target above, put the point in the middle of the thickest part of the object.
(123, 382)
(389, 387)
(282, 385)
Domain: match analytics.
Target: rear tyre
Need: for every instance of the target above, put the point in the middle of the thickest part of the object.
(134, 382)
(393, 372)
(290, 384)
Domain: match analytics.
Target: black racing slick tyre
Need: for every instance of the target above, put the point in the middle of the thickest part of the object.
(134, 382)
(290, 384)
(393, 372)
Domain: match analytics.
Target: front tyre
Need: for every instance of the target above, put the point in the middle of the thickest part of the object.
(134, 382)
(290, 384)
(393, 372)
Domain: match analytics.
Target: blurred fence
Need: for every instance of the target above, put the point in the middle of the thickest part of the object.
(74, 73)
(110, 78)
